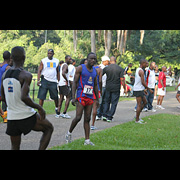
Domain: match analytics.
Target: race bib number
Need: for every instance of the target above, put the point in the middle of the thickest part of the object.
(88, 90)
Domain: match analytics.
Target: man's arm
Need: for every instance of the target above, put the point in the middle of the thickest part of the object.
(25, 80)
(39, 73)
(75, 83)
(141, 74)
(64, 71)
(96, 92)
(58, 74)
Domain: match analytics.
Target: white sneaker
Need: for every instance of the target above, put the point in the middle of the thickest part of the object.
(88, 142)
(93, 127)
(65, 116)
(140, 122)
(57, 116)
(68, 138)
(145, 110)
(98, 118)
(157, 106)
(160, 107)
(152, 110)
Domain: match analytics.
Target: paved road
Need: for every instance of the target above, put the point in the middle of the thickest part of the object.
(124, 113)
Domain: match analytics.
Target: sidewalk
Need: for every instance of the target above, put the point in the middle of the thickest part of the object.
(124, 113)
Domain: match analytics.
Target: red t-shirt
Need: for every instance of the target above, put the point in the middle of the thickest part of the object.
(163, 77)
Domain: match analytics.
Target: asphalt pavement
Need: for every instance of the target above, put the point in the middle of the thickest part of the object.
(124, 113)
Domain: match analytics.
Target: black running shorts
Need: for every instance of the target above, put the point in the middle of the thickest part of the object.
(17, 127)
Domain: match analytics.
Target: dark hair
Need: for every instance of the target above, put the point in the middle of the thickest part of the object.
(61, 62)
(18, 54)
(6, 55)
(51, 50)
(90, 54)
(67, 56)
(142, 61)
(82, 61)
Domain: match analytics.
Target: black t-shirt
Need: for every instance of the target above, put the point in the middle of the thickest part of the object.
(114, 73)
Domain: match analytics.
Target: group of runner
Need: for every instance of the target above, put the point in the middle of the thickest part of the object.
(22, 118)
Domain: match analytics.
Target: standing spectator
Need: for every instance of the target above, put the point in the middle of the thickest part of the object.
(114, 78)
(3, 67)
(71, 71)
(157, 80)
(150, 81)
(104, 63)
(64, 89)
(49, 73)
(178, 92)
(139, 87)
(161, 88)
(127, 68)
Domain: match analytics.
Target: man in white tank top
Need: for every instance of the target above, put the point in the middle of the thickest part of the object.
(139, 89)
(22, 118)
(64, 89)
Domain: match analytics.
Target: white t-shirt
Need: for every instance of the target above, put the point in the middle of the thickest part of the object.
(178, 83)
(138, 84)
(71, 72)
(49, 69)
(104, 77)
(150, 80)
(62, 81)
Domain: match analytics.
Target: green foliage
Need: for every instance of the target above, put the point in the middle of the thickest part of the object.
(161, 46)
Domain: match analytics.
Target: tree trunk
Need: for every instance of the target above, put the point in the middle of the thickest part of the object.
(93, 41)
(75, 40)
(99, 36)
(121, 42)
(105, 41)
(142, 36)
(118, 38)
(109, 38)
(125, 39)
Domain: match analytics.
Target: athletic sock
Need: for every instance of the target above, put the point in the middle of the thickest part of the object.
(64, 112)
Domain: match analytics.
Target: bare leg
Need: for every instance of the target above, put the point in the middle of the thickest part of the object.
(140, 106)
(47, 128)
(177, 97)
(158, 100)
(15, 142)
(60, 102)
(161, 99)
(41, 102)
(87, 117)
(94, 112)
(79, 112)
(67, 102)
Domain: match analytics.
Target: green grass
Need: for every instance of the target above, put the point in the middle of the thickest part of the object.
(160, 132)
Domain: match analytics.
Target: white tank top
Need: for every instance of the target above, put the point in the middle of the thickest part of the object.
(16, 108)
(49, 69)
(62, 81)
(138, 84)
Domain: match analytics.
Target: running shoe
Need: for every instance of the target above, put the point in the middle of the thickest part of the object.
(88, 143)
(65, 116)
(93, 127)
(140, 122)
(68, 138)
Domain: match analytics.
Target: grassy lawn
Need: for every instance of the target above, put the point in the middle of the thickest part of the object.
(160, 132)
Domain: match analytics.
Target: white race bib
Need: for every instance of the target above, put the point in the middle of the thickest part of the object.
(88, 90)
